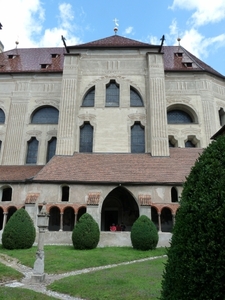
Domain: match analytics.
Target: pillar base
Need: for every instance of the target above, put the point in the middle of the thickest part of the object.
(36, 278)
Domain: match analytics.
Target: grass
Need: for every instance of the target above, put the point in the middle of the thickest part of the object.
(8, 274)
(9, 293)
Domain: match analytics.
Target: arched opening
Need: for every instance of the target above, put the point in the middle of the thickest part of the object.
(119, 207)
(54, 219)
(68, 219)
(174, 195)
(81, 211)
(154, 217)
(166, 220)
(1, 218)
(45, 115)
(86, 137)
(137, 138)
(11, 211)
(112, 94)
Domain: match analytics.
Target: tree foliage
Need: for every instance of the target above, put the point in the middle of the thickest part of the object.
(86, 233)
(19, 231)
(196, 259)
(144, 235)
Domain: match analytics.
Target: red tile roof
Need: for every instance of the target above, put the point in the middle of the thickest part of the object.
(18, 173)
(120, 168)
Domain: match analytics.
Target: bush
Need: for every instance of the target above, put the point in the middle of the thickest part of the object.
(86, 233)
(19, 231)
(144, 235)
(196, 259)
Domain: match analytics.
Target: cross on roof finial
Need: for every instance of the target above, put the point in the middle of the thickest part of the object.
(116, 25)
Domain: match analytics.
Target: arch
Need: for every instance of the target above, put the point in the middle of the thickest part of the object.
(1, 217)
(89, 98)
(119, 206)
(174, 194)
(65, 190)
(32, 151)
(135, 98)
(11, 211)
(82, 210)
(192, 142)
(45, 115)
(154, 217)
(137, 138)
(2, 116)
(166, 220)
(68, 219)
(86, 137)
(51, 148)
(181, 114)
(112, 94)
(6, 193)
(54, 219)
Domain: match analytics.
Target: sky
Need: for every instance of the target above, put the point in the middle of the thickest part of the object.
(200, 24)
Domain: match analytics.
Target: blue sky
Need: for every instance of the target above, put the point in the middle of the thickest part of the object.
(40, 23)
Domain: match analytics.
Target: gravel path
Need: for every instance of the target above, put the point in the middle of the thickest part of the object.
(27, 283)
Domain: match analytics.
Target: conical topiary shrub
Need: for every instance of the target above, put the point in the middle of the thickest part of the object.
(19, 231)
(196, 259)
(144, 235)
(86, 233)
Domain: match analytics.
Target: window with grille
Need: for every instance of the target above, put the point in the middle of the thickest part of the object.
(112, 94)
(32, 151)
(51, 148)
(137, 138)
(2, 116)
(89, 98)
(86, 138)
(178, 117)
(135, 98)
(45, 115)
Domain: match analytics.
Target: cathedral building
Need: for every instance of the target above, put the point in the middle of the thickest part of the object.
(111, 127)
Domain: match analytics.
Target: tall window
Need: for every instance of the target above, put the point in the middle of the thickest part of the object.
(112, 94)
(45, 115)
(137, 138)
(89, 98)
(86, 138)
(7, 194)
(174, 195)
(65, 193)
(2, 116)
(135, 98)
(32, 151)
(178, 117)
(51, 148)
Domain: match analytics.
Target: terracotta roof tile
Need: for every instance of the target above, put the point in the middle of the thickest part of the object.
(120, 168)
(18, 173)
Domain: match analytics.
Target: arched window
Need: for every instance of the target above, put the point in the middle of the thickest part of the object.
(2, 116)
(51, 148)
(137, 138)
(166, 220)
(112, 94)
(174, 195)
(86, 138)
(177, 116)
(65, 193)
(7, 194)
(45, 115)
(32, 151)
(54, 219)
(189, 144)
(135, 98)
(89, 98)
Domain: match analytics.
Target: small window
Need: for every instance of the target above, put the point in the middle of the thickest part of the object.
(188, 65)
(51, 148)
(174, 195)
(171, 145)
(89, 98)
(2, 116)
(44, 66)
(54, 55)
(86, 138)
(112, 94)
(137, 138)
(178, 117)
(189, 144)
(32, 151)
(179, 54)
(65, 193)
(222, 116)
(45, 115)
(7, 194)
(135, 98)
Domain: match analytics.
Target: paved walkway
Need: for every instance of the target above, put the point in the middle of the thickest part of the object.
(49, 278)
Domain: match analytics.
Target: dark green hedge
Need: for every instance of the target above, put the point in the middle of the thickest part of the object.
(196, 258)
(86, 233)
(144, 235)
(19, 231)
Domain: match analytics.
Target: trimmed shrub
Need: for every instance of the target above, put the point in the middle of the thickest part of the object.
(196, 259)
(19, 231)
(144, 235)
(86, 233)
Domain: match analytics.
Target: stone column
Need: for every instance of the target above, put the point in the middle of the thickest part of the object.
(159, 221)
(75, 219)
(5, 214)
(61, 222)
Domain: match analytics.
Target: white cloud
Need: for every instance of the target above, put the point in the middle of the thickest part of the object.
(129, 30)
(206, 11)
